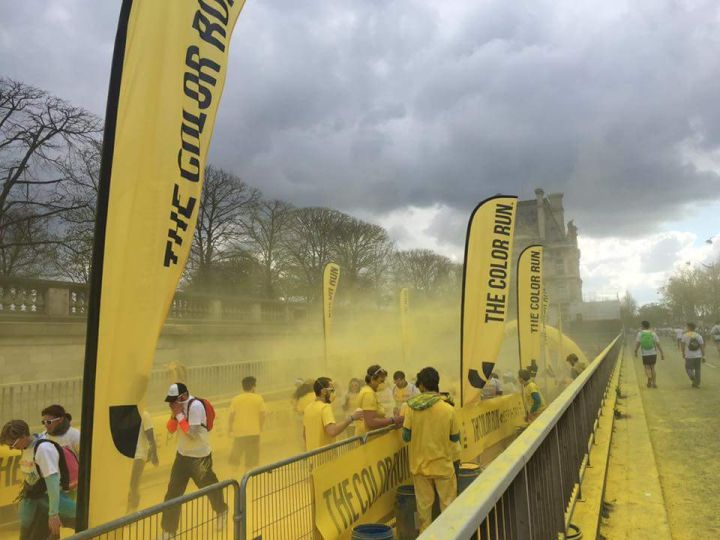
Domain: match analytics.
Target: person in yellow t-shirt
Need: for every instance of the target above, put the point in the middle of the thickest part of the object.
(432, 430)
(374, 416)
(352, 401)
(319, 425)
(533, 399)
(402, 391)
(245, 422)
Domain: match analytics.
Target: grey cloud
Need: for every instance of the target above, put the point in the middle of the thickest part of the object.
(662, 255)
(373, 106)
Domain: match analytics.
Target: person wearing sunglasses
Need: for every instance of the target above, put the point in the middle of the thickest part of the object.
(58, 429)
(44, 505)
(319, 425)
(372, 409)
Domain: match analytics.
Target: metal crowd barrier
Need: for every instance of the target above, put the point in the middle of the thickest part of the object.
(25, 400)
(276, 500)
(528, 492)
(197, 518)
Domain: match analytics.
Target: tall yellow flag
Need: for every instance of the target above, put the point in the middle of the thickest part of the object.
(486, 290)
(167, 76)
(404, 323)
(331, 279)
(531, 324)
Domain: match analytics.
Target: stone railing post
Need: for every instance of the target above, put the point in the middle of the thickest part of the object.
(256, 312)
(57, 302)
(215, 310)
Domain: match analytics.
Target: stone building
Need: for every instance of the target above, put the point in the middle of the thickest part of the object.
(542, 221)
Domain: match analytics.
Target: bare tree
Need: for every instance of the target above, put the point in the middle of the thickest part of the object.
(225, 206)
(37, 131)
(73, 256)
(359, 248)
(309, 246)
(267, 227)
(423, 270)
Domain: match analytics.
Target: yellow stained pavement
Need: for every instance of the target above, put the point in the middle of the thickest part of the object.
(662, 479)
(634, 500)
(684, 425)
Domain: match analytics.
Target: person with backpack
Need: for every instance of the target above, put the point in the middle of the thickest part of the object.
(648, 343)
(57, 428)
(44, 505)
(191, 419)
(693, 350)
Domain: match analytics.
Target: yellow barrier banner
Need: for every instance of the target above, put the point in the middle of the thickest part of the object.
(487, 422)
(359, 486)
(331, 280)
(167, 77)
(486, 290)
(404, 323)
(530, 312)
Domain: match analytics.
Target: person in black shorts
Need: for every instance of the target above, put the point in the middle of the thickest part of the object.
(648, 342)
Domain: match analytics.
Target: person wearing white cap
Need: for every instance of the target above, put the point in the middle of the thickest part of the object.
(194, 456)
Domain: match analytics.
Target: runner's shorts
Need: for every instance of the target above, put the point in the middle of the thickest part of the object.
(649, 360)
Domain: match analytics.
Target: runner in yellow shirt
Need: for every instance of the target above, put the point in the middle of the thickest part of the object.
(373, 411)
(533, 399)
(402, 391)
(432, 429)
(245, 422)
(319, 426)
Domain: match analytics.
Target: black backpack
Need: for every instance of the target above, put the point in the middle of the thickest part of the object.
(39, 488)
(694, 344)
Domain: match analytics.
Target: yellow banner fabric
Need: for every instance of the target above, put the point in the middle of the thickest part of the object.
(331, 280)
(404, 323)
(359, 486)
(486, 290)
(168, 74)
(530, 304)
(487, 422)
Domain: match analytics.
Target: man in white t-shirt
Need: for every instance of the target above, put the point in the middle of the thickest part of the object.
(678, 337)
(44, 506)
(194, 456)
(145, 450)
(715, 333)
(693, 349)
(648, 343)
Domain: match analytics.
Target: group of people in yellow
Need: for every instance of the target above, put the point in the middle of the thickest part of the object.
(428, 419)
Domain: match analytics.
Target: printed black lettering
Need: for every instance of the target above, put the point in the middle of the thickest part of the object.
(223, 16)
(179, 212)
(330, 507)
(195, 82)
(357, 482)
(207, 30)
(354, 516)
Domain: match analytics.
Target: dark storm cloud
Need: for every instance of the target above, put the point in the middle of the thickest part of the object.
(371, 106)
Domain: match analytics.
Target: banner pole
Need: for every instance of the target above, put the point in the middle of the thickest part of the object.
(96, 271)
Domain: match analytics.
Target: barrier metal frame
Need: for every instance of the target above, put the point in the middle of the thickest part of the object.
(117, 528)
(528, 492)
(294, 471)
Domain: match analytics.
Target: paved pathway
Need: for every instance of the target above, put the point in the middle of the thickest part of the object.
(684, 425)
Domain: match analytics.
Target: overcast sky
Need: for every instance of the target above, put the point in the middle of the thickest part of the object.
(408, 112)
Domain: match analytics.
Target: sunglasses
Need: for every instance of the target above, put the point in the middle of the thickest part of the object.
(12, 446)
(49, 422)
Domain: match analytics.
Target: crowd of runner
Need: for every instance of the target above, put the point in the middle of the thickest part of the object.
(325, 409)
